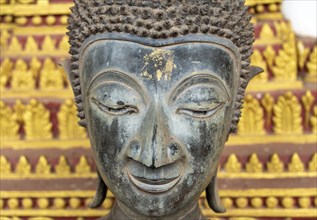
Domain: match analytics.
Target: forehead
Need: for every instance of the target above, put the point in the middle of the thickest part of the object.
(162, 64)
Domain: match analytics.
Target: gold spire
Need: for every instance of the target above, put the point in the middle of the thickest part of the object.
(82, 167)
(50, 77)
(233, 165)
(313, 120)
(35, 66)
(23, 166)
(31, 45)
(268, 103)
(308, 100)
(8, 127)
(5, 167)
(15, 45)
(312, 166)
(257, 60)
(42, 166)
(251, 121)
(48, 44)
(275, 164)
(5, 72)
(312, 66)
(296, 164)
(287, 115)
(67, 122)
(64, 45)
(37, 121)
(22, 78)
(19, 109)
(254, 165)
(62, 168)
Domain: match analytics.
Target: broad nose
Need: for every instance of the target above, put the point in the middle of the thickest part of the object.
(154, 145)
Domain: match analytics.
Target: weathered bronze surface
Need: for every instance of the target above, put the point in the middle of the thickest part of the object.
(159, 87)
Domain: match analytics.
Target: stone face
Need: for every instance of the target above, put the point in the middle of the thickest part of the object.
(158, 113)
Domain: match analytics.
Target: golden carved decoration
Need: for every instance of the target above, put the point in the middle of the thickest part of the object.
(287, 115)
(296, 165)
(50, 20)
(63, 44)
(22, 78)
(5, 72)
(312, 165)
(43, 203)
(308, 100)
(13, 203)
(9, 127)
(288, 202)
(5, 165)
(266, 32)
(35, 66)
(313, 120)
(42, 166)
(254, 165)
(251, 121)
(256, 202)
(1, 204)
(233, 165)
(82, 167)
(268, 103)
(269, 54)
(15, 45)
(242, 202)
(271, 202)
(27, 203)
(302, 54)
(67, 122)
(312, 66)
(4, 37)
(50, 77)
(26, 1)
(304, 202)
(227, 202)
(48, 44)
(19, 109)
(23, 166)
(275, 164)
(37, 20)
(74, 203)
(62, 168)
(37, 121)
(63, 19)
(59, 203)
(31, 45)
(257, 60)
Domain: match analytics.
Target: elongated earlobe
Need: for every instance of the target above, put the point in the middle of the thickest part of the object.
(100, 195)
(254, 71)
(212, 196)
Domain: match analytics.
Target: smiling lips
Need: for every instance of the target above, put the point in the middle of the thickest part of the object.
(154, 180)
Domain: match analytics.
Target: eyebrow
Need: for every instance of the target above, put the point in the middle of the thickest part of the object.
(201, 78)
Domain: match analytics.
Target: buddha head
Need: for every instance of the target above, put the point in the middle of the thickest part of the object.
(159, 86)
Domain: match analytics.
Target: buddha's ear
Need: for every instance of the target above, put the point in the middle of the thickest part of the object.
(254, 70)
(212, 196)
(101, 193)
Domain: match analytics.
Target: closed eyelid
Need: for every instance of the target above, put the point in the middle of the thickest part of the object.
(199, 79)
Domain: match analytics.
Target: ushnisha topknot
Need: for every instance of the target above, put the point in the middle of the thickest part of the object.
(161, 19)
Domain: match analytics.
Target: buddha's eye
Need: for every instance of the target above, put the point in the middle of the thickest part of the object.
(118, 110)
(203, 112)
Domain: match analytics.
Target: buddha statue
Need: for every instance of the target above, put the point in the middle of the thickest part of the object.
(159, 85)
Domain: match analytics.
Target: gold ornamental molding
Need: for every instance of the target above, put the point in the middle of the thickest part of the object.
(31, 10)
(256, 2)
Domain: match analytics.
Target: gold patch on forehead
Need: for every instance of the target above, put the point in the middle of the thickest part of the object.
(160, 63)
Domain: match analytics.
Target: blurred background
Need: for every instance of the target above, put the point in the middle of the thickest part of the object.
(268, 169)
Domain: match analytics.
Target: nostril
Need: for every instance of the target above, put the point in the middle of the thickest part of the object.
(173, 149)
(135, 147)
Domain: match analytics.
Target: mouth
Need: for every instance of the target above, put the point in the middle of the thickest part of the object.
(154, 180)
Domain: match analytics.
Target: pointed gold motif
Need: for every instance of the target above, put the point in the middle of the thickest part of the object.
(313, 120)
(42, 166)
(8, 126)
(269, 54)
(64, 45)
(22, 78)
(48, 44)
(5, 72)
(23, 166)
(285, 68)
(15, 45)
(50, 77)
(4, 39)
(19, 109)
(302, 54)
(67, 122)
(312, 166)
(5, 167)
(37, 121)
(312, 66)
(233, 165)
(254, 165)
(287, 115)
(62, 168)
(296, 165)
(275, 164)
(82, 167)
(35, 66)
(31, 45)
(251, 121)
(257, 60)
(308, 100)
(266, 32)
(268, 103)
